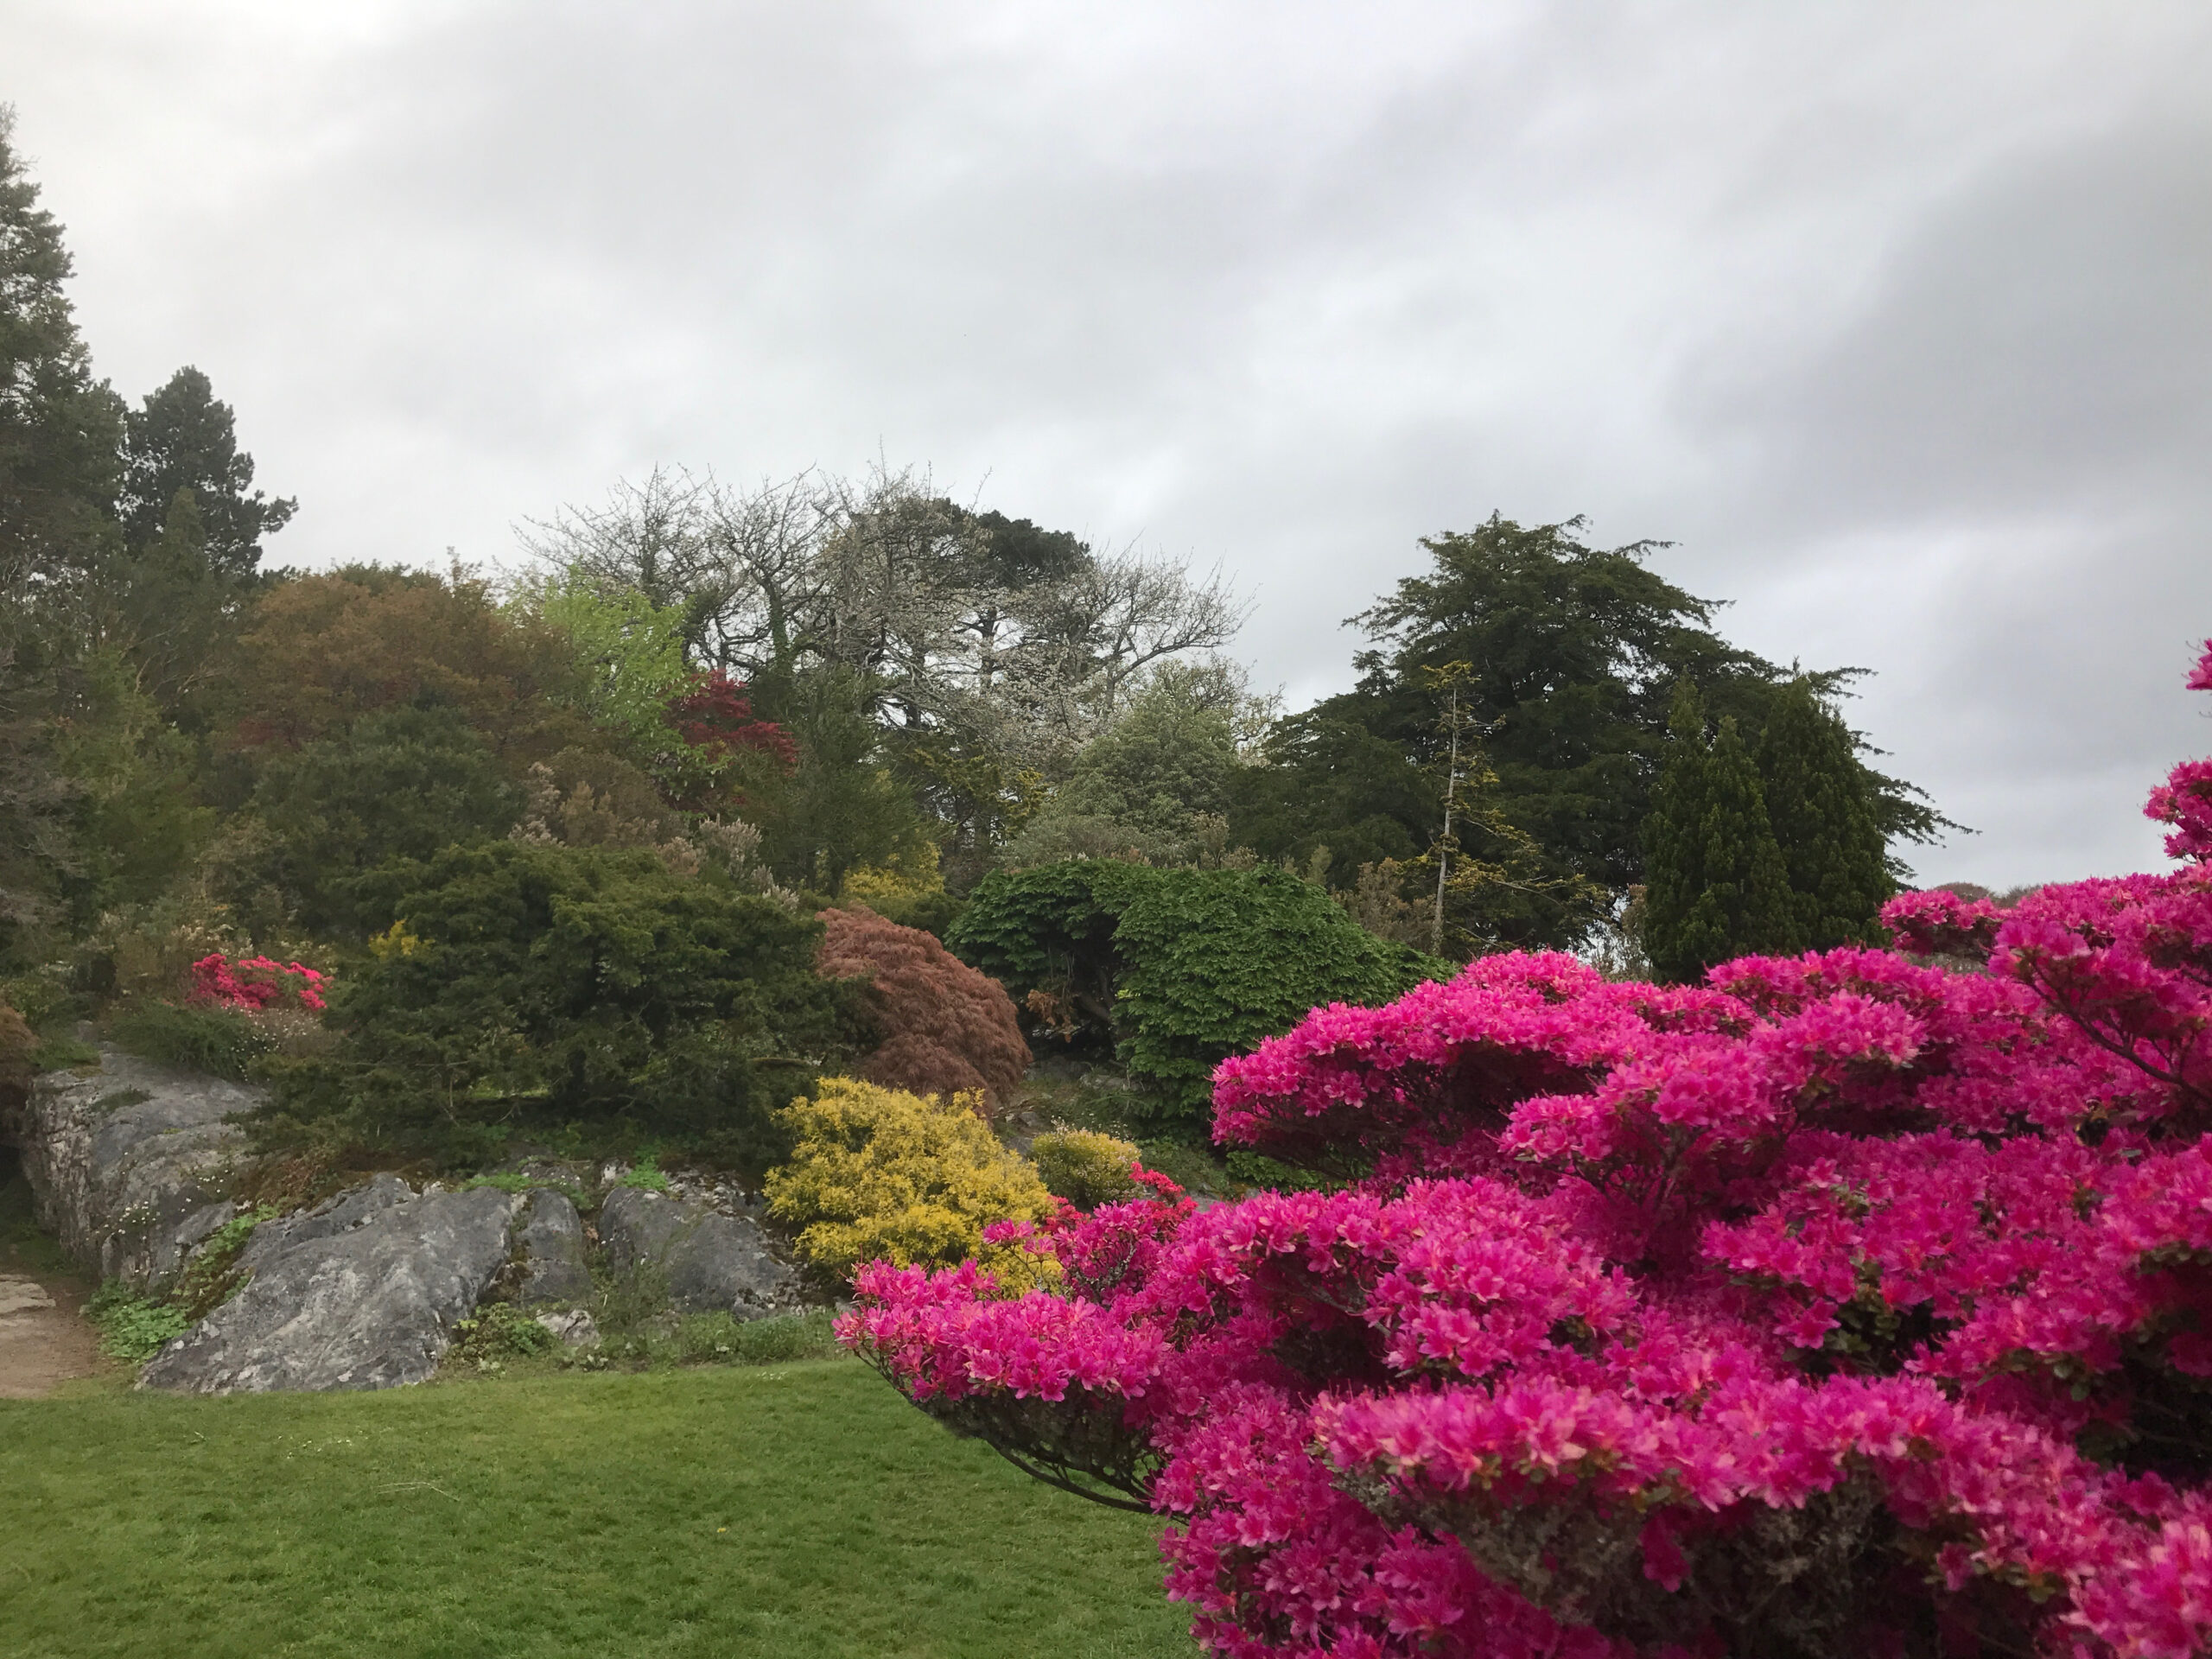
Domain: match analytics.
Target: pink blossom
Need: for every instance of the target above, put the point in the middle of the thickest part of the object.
(1639, 1269)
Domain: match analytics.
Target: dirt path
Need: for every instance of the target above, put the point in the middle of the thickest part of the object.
(44, 1339)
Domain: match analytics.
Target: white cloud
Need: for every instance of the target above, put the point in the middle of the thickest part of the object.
(1890, 315)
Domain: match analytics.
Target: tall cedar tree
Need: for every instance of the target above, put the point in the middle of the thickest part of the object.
(1575, 651)
(192, 531)
(60, 431)
(1572, 648)
(1716, 886)
(1823, 816)
(184, 438)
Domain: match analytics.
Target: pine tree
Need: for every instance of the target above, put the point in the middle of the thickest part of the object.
(184, 438)
(1716, 886)
(60, 429)
(1822, 808)
(59, 433)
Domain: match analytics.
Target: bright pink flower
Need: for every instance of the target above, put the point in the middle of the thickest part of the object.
(1846, 1236)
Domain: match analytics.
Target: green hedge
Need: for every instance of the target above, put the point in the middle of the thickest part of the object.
(1177, 968)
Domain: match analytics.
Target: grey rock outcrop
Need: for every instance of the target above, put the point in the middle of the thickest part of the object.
(551, 1240)
(714, 1263)
(340, 1214)
(574, 1327)
(126, 1162)
(369, 1306)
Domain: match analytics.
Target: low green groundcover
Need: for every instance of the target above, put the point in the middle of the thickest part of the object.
(795, 1509)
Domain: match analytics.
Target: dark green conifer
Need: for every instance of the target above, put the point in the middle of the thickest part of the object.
(1716, 886)
(1820, 805)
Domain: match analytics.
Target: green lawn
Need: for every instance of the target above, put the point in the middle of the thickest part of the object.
(798, 1509)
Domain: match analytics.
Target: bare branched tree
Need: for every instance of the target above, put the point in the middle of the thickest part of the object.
(766, 544)
(979, 636)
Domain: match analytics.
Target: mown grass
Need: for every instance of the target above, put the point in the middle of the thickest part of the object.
(793, 1509)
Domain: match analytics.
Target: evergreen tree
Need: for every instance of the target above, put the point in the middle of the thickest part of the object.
(1820, 805)
(59, 433)
(1573, 651)
(839, 810)
(60, 429)
(183, 438)
(1716, 884)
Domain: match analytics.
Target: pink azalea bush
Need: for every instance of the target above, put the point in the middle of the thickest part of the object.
(255, 983)
(1842, 1305)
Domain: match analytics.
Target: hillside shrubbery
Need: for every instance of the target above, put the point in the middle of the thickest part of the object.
(519, 982)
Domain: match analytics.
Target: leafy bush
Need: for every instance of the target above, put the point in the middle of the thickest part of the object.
(1840, 1304)
(496, 1332)
(219, 1041)
(573, 984)
(1254, 1169)
(1085, 1167)
(1180, 968)
(132, 1328)
(1190, 1168)
(255, 984)
(878, 1171)
(943, 1027)
(909, 891)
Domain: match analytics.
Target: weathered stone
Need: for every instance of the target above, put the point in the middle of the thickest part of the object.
(714, 1263)
(575, 1328)
(723, 1266)
(195, 1228)
(369, 1307)
(124, 1158)
(338, 1214)
(551, 1240)
(19, 1295)
(636, 1226)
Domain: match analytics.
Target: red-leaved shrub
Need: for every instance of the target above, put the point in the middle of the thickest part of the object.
(946, 1028)
(1842, 1305)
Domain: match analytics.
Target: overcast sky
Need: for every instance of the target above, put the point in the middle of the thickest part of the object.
(1897, 319)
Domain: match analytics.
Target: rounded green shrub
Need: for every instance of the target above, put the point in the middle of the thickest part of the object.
(1085, 1167)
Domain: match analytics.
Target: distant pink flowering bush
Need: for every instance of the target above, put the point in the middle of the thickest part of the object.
(1844, 1305)
(254, 983)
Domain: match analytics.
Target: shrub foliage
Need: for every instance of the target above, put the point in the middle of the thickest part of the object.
(1179, 969)
(576, 983)
(881, 1173)
(1085, 1167)
(1841, 1304)
(943, 1028)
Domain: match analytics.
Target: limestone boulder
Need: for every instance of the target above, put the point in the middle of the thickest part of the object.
(127, 1162)
(369, 1304)
(715, 1262)
(551, 1244)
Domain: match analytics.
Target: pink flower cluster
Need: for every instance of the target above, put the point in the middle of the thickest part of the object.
(1849, 1303)
(254, 983)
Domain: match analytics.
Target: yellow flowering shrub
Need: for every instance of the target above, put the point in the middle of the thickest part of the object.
(1085, 1167)
(879, 1172)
